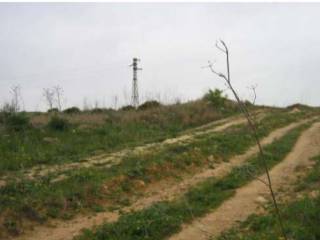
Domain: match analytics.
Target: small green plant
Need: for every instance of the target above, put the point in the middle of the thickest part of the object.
(12, 227)
(58, 123)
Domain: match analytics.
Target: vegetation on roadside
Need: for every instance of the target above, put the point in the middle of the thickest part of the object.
(165, 218)
(302, 216)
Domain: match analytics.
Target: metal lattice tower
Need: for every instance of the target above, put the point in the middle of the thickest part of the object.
(135, 91)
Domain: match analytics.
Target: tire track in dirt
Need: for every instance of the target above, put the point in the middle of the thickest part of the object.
(111, 159)
(157, 192)
(245, 201)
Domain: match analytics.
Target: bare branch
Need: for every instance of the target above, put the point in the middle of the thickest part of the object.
(253, 88)
(221, 49)
(59, 94)
(16, 98)
(225, 46)
(49, 96)
(253, 128)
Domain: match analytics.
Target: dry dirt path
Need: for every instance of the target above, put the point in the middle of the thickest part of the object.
(246, 199)
(110, 159)
(66, 230)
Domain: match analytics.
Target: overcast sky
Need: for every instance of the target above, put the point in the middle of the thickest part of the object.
(86, 49)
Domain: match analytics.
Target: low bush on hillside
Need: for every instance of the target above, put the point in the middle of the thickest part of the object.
(59, 124)
(149, 104)
(15, 121)
(53, 110)
(127, 108)
(215, 98)
(72, 110)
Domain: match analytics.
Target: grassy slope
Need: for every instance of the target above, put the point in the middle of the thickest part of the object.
(42, 145)
(165, 218)
(40, 199)
(302, 217)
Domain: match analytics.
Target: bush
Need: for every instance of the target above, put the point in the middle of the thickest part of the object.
(58, 123)
(127, 108)
(149, 104)
(72, 110)
(16, 121)
(215, 98)
(53, 110)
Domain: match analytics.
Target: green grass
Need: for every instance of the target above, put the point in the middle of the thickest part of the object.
(83, 189)
(30, 146)
(165, 218)
(301, 218)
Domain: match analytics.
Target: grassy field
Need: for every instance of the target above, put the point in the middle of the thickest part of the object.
(84, 189)
(27, 140)
(30, 139)
(165, 218)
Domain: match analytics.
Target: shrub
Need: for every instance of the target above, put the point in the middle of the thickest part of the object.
(215, 98)
(58, 123)
(149, 104)
(97, 110)
(127, 108)
(72, 110)
(53, 110)
(8, 108)
(16, 121)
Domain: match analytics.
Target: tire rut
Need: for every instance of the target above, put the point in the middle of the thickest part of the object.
(157, 192)
(245, 201)
(111, 159)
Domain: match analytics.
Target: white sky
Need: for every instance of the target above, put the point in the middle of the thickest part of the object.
(86, 48)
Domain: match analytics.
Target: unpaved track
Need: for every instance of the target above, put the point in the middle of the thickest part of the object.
(244, 203)
(157, 192)
(108, 160)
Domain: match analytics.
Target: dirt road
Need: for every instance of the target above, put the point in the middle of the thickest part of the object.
(246, 199)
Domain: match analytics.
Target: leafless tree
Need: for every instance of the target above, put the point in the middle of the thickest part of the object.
(49, 96)
(226, 77)
(86, 105)
(115, 102)
(96, 104)
(16, 98)
(58, 91)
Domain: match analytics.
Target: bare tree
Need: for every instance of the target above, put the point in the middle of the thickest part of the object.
(16, 98)
(86, 105)
(226, 77)
(58, 91)
(115, 102)
(49, 96)
(96, 104)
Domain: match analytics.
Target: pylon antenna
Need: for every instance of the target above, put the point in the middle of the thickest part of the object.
(135, 91)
